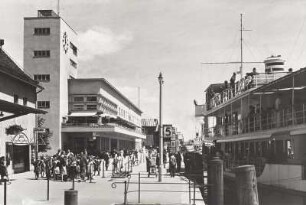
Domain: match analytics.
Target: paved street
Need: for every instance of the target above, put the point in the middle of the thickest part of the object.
(27, 191)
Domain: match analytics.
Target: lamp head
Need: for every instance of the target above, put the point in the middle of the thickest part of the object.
(160, 78)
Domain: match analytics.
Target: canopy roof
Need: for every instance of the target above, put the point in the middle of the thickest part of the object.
(17, 110)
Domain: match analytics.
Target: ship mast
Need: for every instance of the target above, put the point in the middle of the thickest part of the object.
(241, 48)
(241, 51)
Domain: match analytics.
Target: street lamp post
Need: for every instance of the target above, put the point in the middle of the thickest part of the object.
(161, 144)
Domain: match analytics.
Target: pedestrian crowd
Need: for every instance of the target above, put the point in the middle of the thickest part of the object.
(82, 166)
(153, 161)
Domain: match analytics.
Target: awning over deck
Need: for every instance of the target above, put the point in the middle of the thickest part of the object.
(295, 80)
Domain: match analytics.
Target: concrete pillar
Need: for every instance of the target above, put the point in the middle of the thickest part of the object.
(215, 182)
(246, 185)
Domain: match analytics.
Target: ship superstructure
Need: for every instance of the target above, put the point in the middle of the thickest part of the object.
(260, 120)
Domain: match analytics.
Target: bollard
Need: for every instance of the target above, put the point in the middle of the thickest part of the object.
(48, 188)
(194, 190)
(125, 193)
(189, 192)
(72, 183)
(4, 201)
(246, 185)
(103, 166)
(71, 197)
(215, 182)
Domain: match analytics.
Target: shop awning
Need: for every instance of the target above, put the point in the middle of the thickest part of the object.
(16, 110)
(83, 114)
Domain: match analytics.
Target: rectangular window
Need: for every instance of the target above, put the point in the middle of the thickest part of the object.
(42, 54)
(91, 107)
(42, 78)
(92, 98)
(43, 104)
(74, 49)
(73, 64)
(78, 99)
(16, 99)
(41, 31)
(78, 107)
(25, 101)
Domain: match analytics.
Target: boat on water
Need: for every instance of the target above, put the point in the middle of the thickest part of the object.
(261, 120)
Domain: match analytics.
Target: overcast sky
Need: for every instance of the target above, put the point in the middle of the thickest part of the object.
(129, 42)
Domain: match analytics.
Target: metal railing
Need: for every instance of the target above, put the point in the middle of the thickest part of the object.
(258, 122)
(242, 86)
(191, 188)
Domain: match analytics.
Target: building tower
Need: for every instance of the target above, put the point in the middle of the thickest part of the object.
(50, 56)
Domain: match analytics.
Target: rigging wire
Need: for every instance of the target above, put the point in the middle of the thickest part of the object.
(296, 40)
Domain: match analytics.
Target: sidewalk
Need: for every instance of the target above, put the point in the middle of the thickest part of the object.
(24, 190)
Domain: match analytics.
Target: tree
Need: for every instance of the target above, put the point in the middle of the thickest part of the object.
(43, 137)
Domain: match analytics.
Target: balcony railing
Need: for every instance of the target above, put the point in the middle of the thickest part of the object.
(243, 85)
(259, 122)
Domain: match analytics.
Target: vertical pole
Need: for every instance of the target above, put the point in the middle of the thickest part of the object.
(4, 192)
(48, 188)
(194, 190)
(303, 113)
(260, 113)
(125, 193)
(292, 104)
(284, 118)
(215, 181)
(103, 167)
(161, 144)
(138, 187)
(189, 191)
(73, 183)
(241, 49)
(246, 185)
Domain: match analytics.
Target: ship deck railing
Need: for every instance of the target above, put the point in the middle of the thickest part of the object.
(268, 120)
(241, 86)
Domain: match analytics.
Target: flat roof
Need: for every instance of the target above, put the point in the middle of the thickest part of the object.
(110, 86)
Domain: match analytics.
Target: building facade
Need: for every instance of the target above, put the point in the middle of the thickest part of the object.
(100, 118)
(51, 57)
(17, 119)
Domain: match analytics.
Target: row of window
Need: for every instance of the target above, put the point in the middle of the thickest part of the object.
(41, 31)
(82, 106)
(42, 78)
(43, 104)
(83, 99)
(42, 54)
(46, 32)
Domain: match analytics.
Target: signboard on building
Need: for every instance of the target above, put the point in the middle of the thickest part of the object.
(168, 131)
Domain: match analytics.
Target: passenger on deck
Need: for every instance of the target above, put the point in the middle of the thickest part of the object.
(232, 84)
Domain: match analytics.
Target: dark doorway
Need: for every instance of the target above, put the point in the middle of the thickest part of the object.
(113, 144)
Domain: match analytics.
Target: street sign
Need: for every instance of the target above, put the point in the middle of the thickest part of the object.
(168, 131)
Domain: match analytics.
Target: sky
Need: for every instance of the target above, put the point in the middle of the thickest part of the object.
(129, 42)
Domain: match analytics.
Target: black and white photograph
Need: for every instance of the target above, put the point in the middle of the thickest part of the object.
(153, 102)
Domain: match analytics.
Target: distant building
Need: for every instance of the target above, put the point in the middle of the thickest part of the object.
(82, 113)
(17, 106)
(51, 57)
(150, 129)
(100, 118)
